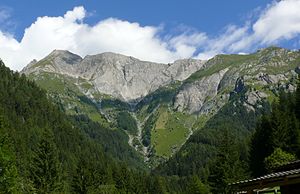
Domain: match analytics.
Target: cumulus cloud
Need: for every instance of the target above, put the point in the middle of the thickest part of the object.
(279, 21)
(69, 32)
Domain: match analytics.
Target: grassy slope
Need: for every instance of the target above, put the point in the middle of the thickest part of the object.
(170, 131)
(65, 92)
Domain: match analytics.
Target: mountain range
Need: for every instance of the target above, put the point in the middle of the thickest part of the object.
(160, 106)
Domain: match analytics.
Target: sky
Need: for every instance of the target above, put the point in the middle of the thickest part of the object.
(157, 30)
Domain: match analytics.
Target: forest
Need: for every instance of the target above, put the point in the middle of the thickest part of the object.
(42, 150)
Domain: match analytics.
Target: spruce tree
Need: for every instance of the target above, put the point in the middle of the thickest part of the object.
(227, 166)
(196, 186)
(45, 172)
(8, 170)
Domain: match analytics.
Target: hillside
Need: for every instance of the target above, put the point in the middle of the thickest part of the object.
(41, 151)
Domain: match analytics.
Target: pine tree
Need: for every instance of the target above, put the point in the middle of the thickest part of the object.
(8, 170)
(260, 146)
(196, 186)
(80, 181)
(87, 177)
(159, 185)
(227, 167)
(45, 172)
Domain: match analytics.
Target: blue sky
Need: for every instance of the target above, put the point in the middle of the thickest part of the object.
(156, 30)
(210, 16)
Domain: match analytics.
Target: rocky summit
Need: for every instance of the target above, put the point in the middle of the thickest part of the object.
(119, 76)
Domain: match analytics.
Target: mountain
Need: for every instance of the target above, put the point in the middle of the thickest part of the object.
(164, 104)
(119, 76)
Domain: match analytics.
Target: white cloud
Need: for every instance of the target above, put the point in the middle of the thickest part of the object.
(71, 33)
(225, 43)
(279, 21)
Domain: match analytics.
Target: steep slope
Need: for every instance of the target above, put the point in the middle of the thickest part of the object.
(164, 103)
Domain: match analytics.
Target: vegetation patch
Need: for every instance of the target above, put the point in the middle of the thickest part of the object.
(170, 131)
(127, 122)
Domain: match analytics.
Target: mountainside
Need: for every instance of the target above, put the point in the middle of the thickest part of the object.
(42, 152)
(163, 104)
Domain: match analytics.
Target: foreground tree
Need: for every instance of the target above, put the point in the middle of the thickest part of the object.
(45, 172)
(277, 159)
(8, 170)
(228, 165)
(196, 186)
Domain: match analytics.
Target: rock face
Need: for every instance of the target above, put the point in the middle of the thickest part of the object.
(193, 96)
(59, 61)
(122, 77)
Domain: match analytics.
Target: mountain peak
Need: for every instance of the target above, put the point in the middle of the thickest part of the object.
(61, 61)
(111, 57)
(63, 54)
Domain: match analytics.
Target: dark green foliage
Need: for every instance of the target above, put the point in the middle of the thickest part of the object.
(260, 146)
(114, 142)
(114, 103)
(8, 171)
(90, 174)
(196, 186)
(279, 129)
(228, 165)
(146, 133)
(45, 169)
(126, 122)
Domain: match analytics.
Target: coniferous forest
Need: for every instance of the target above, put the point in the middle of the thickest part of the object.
(42, 150)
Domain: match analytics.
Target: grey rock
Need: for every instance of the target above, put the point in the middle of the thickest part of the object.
(119, 76)
(193, 96)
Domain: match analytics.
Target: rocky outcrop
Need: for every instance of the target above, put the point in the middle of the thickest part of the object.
(191, 97)
(58, 61)
(122, 77)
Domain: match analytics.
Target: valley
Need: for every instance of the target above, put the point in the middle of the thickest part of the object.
(183, 135)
